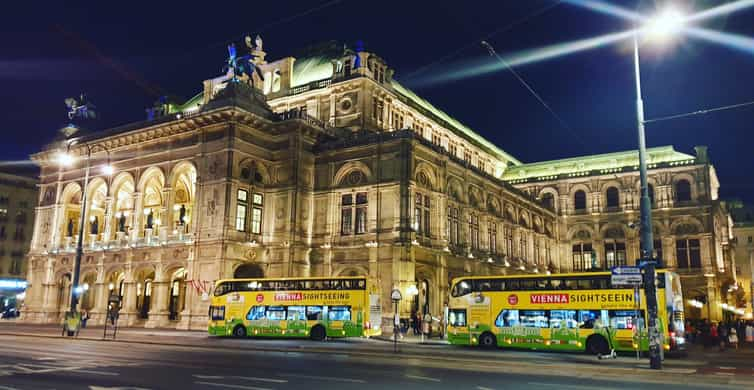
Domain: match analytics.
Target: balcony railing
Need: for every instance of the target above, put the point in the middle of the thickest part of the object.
(69, 244)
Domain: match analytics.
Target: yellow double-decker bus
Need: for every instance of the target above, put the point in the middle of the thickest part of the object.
(316, 308)
(567, 312)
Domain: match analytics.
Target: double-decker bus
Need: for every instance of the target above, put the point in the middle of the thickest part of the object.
(566, 312)
(315, 307)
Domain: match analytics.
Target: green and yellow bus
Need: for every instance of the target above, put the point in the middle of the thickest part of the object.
(565, 312)
(316, 308)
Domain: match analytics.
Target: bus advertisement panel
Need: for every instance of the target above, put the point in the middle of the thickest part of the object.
(578, 312)
(304, 307)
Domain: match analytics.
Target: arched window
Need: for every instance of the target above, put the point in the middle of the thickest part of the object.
(548, 200)
(579, 200)
(682, 191)
(248, 271)
(613, 200)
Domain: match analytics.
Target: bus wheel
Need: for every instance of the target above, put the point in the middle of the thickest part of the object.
(487, 340)
(597, 345)
(318, 333)
(239, 331)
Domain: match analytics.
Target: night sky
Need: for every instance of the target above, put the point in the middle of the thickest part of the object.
(124, 56)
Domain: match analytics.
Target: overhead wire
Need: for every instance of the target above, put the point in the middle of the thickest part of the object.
(700, 112)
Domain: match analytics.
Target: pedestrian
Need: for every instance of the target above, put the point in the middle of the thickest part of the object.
(689, 332)
(712, 335)
(749, 333)
(722, 334)
(84, 318)
(733, 338)
(414, 322)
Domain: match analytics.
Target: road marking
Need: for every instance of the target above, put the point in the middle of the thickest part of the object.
(248, 378)
(324, 378)
(424, 378)
(46, 358)
(581, 387)
(98, 372)
(7, 388)
(231, 386)
(726, 368)
(483, 388)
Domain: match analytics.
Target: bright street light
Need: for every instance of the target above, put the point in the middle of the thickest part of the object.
(108, 170)
(64, 159)
(665, 25)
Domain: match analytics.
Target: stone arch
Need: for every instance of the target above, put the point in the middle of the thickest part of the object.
(351, 270)
(151, 185)
(122, 192)
(248, 270)
(455, 189)
(70, 199)
(581, 232)
(151, 173)
(523, 220)
(543, 194)
(254, 171)
(493, 205)
(572, 195)
(425, 176)
(686, 226)
(183, 185)
(613, 231)
(510, 213)
(71, 194)
(353, 173)
(476, 198)
(537, 224)
(96, 199)
(678, 178)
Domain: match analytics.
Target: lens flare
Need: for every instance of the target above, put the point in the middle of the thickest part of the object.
(738, 42)
(606, 8)
(486, 66)
(720, 10)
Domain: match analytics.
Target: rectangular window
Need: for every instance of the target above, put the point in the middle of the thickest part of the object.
(658, 250)
(582, 257)
(508, 232)
(474, 231)
(615, 254)
(257, 204)
(453, 222)
(537, 254)
(241, 207)
(467, 156)
(350, 210)
(688, 253)
(276, 313)
(361, 213)
(493, 237)
(534, 318)
(421, 215)
(453, 149)
(523, 246)
(436, 138)
(339, 313)
(295, 313)
(507, 318)
(563, 319)
(346, 215)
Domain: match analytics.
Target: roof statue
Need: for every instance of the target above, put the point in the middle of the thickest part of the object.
(158, 109)
(357, 58)
(241, 65)
(80, 108)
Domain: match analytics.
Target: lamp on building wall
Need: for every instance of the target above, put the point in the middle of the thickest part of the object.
(411, 290)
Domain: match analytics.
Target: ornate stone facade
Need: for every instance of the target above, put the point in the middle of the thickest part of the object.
(327, 166)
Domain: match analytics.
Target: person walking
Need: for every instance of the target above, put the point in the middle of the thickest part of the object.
(749, 333)
(712, 338)
(414, 323)
(733, 338)
(722, 334)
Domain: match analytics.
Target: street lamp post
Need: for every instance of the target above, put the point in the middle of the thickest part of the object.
(67, 159)
(665, 24)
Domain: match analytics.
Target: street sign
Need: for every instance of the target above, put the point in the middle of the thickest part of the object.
(396, 295)
(626, 276)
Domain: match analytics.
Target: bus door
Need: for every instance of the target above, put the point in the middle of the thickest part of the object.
(337, 317)
(275, 318)
(234, 307)
(295, 321)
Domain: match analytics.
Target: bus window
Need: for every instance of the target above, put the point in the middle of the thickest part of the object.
(461, 288)
(295, 313)
(339, 313)
(276, 313)
(483, 285)
(563, 319)
(314, 313)
(624, 319)
(457, 317)
(528, 284)
(361, 284)
(534, 318)
(507, 318)
(590, 319)
(513, 285)
(556, 284)
(543, 284)
(256, 313)
(570, 284)
(584, 284)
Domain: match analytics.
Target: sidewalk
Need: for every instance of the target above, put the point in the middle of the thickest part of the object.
(413, 339)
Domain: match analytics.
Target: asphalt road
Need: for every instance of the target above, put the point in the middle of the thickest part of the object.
(48, 363)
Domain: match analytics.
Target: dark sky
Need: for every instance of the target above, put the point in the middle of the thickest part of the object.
(125, 54)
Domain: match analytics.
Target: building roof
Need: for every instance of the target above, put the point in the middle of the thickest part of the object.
(607, 162)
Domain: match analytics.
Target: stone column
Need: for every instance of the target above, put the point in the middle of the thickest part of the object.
(158, 312)
(166, 214)
(109, 221)
(136, 216)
